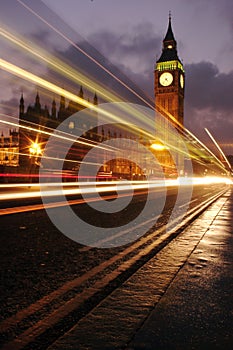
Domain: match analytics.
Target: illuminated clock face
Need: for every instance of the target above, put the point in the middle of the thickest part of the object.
(166, 79)
(182, 81)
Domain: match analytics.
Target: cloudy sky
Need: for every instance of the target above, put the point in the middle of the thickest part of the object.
(129, 33)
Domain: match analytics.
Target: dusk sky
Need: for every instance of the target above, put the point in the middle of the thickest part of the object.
(129, 34)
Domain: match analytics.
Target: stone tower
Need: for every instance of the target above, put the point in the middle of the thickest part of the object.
(169, 80)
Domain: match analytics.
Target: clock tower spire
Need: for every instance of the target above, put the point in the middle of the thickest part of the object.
(169, 79)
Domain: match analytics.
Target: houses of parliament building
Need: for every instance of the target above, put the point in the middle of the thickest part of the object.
(169, 81)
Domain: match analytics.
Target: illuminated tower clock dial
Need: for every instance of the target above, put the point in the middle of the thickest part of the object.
(166, 79)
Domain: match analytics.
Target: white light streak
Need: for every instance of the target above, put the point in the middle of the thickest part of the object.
(94, 187)
(218, 147)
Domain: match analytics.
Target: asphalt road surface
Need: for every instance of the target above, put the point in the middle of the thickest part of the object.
(37, 259)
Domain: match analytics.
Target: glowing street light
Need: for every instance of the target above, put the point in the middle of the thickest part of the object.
(35, 149)
(158, 146)
(35, 153)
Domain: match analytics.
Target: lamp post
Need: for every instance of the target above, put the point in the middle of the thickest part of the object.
(163, 156)
(34, 151)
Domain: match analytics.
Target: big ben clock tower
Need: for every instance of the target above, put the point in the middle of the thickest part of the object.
(169, 79)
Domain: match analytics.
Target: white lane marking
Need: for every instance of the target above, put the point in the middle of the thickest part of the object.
(194, 200)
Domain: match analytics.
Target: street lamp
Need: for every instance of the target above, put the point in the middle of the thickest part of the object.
(34, 152)
(163, 156)
(35, 149)
(158, 146)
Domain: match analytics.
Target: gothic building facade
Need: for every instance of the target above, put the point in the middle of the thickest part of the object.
(37, 122)
(9, 149)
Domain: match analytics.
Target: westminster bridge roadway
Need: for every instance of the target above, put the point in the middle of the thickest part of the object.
(51, 283)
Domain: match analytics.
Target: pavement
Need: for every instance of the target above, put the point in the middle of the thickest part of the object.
(181, 299)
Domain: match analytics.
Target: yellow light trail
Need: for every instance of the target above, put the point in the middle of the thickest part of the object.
(22, 73)
(43, 83)
(83, 52)
(59, 66)
(112, 75)
(78, 77)
(71, 73)
(89, 83)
